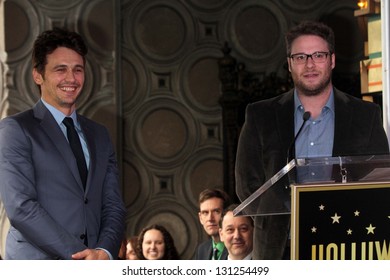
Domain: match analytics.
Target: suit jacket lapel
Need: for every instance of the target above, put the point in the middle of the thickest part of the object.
(209, 251)
(53, 131)
(224, 254)
(285, 120)
(342, 124)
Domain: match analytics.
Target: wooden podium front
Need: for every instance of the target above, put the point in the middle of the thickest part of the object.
(349, 221)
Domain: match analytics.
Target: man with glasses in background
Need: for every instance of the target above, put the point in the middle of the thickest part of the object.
(333, 124)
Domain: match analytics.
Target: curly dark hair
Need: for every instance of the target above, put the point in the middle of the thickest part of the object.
(48, 41)
(170, 249)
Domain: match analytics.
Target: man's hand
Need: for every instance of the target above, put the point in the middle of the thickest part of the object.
(91, 254)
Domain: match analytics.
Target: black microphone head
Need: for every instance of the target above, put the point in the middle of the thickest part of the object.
(306, 116)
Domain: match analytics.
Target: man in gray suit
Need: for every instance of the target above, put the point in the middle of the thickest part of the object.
(59, 207)
(338, 125)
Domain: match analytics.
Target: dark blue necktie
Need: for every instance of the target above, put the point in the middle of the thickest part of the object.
(75, 144)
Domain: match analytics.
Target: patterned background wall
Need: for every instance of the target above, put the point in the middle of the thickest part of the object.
(152, 79)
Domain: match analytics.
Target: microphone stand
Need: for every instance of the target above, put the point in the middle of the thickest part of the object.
(291, 150)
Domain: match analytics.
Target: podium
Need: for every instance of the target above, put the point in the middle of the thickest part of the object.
(339, 206)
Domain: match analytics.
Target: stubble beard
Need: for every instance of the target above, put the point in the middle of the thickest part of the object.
(314, 90)
(67, 102)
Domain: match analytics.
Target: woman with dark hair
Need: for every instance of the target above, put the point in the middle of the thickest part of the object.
(156, 243)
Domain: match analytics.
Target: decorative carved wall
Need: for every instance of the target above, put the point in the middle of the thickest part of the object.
(153, 80)
(173, 135)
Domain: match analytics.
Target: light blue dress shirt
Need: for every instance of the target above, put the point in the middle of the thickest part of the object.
(316, 138)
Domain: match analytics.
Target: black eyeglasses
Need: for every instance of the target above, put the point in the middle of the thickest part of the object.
(317, 57)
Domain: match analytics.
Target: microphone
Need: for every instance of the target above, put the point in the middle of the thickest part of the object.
(291, 150)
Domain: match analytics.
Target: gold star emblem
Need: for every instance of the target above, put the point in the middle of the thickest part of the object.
(357, 213)
(336, 218)
(313, 229)
(349, 231)
(322, 207)
(370, 229)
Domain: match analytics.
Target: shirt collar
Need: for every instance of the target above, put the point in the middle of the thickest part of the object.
(248, 257)
(219, 245)
(58, 115)
(298, 105)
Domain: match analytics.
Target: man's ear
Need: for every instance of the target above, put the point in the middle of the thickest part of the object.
(221, 235)
(38, 79)
(333, 60)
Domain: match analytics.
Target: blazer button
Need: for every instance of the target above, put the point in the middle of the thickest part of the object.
(82, 236)
(86, 201)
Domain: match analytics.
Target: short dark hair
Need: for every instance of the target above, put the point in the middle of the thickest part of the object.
(211, 193)
(48, 41)
(230, 208)
(310, 28)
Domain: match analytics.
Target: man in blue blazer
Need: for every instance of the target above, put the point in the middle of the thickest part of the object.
(338, 125)
(53, 213)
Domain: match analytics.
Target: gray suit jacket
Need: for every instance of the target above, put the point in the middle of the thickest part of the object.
(43, 194)
(262, 151)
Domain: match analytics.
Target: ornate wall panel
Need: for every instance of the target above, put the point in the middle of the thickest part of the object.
(178, 119)
(254, 31)
(153, 80)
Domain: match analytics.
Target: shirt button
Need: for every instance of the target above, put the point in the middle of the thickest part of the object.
(86, 201)
(313, 174)
(82, 236)
(311, 143)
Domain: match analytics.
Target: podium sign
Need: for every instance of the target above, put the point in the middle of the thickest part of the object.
(339, 206)
(274, 196)
(349, 221)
